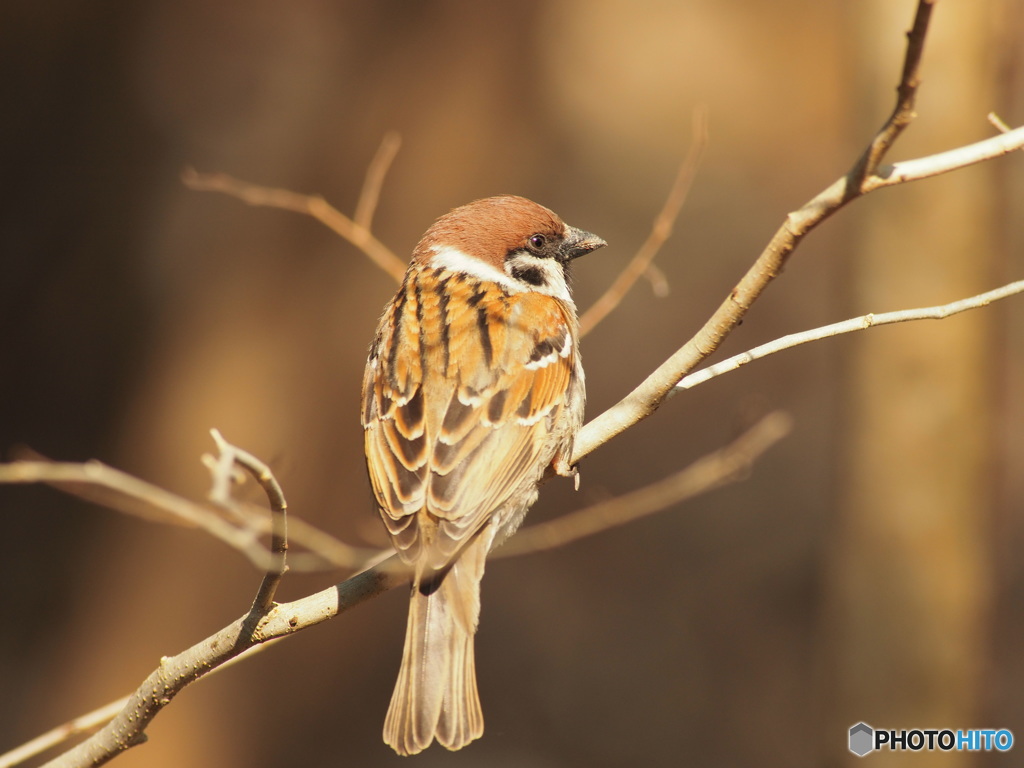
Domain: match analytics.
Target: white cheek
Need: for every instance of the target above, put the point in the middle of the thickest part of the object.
(554, 277)
(446, 257)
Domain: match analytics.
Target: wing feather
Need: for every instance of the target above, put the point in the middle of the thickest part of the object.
(455, 409)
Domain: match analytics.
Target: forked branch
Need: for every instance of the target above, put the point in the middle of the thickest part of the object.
(223, 470)
(865, 176)
(127, 725)
(241, 529)
(355, 230)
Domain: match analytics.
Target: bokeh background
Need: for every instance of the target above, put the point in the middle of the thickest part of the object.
(868, 569)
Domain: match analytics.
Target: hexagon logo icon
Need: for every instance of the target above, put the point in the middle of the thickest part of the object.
(862, 737)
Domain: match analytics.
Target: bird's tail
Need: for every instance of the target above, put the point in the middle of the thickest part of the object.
(436, 694)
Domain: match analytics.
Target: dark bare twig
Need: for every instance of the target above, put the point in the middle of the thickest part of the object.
(357, 230)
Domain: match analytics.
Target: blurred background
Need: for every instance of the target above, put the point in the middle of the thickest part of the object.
(868, 569)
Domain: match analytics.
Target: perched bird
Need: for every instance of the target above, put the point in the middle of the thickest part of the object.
(472, 390)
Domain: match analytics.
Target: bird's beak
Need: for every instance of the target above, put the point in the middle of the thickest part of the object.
(579, 243)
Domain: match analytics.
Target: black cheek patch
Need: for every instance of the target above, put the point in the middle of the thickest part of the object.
(530, 275)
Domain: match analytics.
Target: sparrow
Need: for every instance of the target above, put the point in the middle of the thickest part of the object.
(473, 389)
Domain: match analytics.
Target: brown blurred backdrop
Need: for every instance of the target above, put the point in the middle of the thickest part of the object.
(867, 570)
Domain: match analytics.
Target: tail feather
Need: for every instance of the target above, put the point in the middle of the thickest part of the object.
(462, 718)
(436, 693)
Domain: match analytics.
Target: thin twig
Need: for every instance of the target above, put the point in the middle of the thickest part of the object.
(355, 231)
(998, 123)
(861, 323)
(648, 396)
(374, 181)
(661, 230)
(944, 162)
(906, 96)
(129, 720)
(232, 455)
(657, 279)
(725, 465)
(98, 717)
(128, 727)
(84, 724)
(118, 490)
(101, 484)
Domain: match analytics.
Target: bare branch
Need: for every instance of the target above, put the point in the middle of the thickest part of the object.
(944, 162)
(249, 632)
(649, 395)
(112, 488)
(861, 323)
(92, 720)
(725, 465)
(118, 490)
(906, 96)
(324, 551)
(129, 717)
(661, 230)
(62, 733)
(127, 728)
(355, 231)
(374, 180)
(231, 456)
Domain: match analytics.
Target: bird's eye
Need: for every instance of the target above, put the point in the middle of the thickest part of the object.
(538, 241)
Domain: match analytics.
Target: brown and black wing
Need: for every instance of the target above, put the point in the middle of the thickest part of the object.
(460, 407)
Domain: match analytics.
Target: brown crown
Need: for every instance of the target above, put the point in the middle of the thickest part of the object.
(490, 228)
